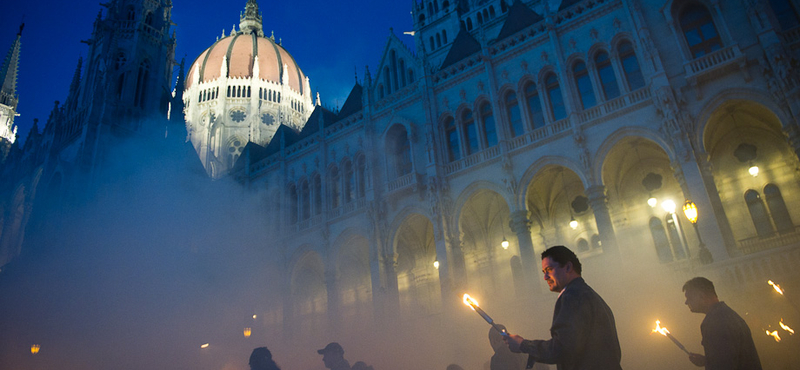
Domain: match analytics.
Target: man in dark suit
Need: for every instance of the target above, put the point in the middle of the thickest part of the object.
(584, 334)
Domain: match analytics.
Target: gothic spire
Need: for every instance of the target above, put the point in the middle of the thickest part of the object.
(74, 87)
(8, 72)
(250, 19)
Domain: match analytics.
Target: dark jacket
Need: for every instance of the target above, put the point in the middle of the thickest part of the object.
(727, 341)
(584, 334)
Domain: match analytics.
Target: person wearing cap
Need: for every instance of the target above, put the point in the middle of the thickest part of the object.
(261, 359)
(333, 357)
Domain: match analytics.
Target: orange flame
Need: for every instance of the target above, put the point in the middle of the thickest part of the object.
(776, 286)
(471, 302)
(774, 334)
(786, 327)
(659, 329)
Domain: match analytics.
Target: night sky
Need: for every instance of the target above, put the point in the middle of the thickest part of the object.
(329, 40)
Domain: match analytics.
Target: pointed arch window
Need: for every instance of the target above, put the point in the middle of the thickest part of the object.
(758, 213)
(387, 80)
(699, 29)
(361, 175)
(777, 208)
(305, 199)
(317, 194)
(514, 116)
(335, 187)
(630, 66)
(584, 85)
(470, 132)
(451, 133)
(606, 73)
(141, 84)
(148, 19)
(349, 182)
(488, 125)
(401, 72)
(786, 13)
(399, 151)
(675, 237)
(444, 37)
(131, 13)
(556, 100)
(469, 24)
(292, 204)
(438, 40)
(432, 43)
(534, 105)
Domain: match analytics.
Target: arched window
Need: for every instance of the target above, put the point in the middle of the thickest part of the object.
(317, 194)
(305, 199)
(141, 84)
(445, 5)
(335, 187)
(556, 99)
(699, 29)
(401, 72)
(534, 105)
(422, 19)
(633, 74)
(444, 37)
(148, 19)
(485, 15)
(584, 84)
(503, 6)
(229, 91)
(292, 204)
(410, 75)
(480, 18)
(453, 147)
(438, 40)
(120, 62)
(469, 24)
(349, 182)
(607, 79)
(470, 132)
(387, 80)
(758, 213)
(361, 175)
(786, 14)
(432, 43)
(430, 10)
(660, 240)
(398, 151)
(675, 237)
(489, 126)
(131, 14)
(491, 11)
(777, 208)
(514, 117)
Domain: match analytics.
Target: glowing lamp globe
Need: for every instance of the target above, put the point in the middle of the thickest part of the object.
(753, 170)
(668, 205)
(690, 210)
(504, 243)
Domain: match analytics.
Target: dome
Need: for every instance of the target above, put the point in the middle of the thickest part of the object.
(239, 51)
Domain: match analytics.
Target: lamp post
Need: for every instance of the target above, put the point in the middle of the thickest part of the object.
(690, 210)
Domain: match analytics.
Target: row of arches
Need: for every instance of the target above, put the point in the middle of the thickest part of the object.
(396, 75)
(344, 184)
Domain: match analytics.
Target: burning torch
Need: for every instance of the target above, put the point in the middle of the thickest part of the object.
(781, 292)
(663, 331)
(472, 303)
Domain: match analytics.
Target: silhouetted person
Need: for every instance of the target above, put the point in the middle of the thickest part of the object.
(454, 367)
(333, 357)
(584, 334)
(261, 359)
(361, 365)
(727, 340)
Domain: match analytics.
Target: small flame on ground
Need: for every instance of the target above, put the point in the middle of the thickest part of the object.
(786, 327)
(776, 286)
(471, 302)
(659, 329)
(774, 334)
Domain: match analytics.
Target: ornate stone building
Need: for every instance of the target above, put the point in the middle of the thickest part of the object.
(584, 123)
(8, 95)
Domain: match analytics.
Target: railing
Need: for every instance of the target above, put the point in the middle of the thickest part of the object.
(473, 159)
(757, 268)
(614, 105)
(758, 244)
(713, 61)
(402, 182)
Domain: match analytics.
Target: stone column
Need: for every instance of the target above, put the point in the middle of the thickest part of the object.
(391, 295)
(599, 203)
(792, 131)
(521, 226)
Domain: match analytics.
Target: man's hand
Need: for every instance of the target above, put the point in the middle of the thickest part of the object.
(697, 359)
(513, 342)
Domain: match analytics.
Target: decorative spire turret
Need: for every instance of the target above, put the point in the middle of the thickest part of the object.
(8, 90)
(74, 87)
(250, 19)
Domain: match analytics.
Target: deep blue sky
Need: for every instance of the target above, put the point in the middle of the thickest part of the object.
(328, 39)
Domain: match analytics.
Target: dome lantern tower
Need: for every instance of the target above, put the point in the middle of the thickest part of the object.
(250, 20)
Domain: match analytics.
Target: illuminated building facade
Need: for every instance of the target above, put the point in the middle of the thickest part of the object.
(540, 123)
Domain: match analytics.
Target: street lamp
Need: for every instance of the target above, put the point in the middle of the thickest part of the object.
(504, 243)
(436, 264)
(690, 210)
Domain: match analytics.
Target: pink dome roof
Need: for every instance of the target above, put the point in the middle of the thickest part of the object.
(241, 49)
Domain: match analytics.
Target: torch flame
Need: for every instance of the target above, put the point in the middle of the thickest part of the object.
(776, 286)
(471, 302)
(786, 327)
(659, 329)
(774, 334)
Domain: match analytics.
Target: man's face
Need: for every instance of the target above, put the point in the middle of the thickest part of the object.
(695, 300)
(329, 358)
(555, 274)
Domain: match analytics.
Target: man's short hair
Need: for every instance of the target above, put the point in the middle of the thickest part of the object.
(562, 255)
(700, 284)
